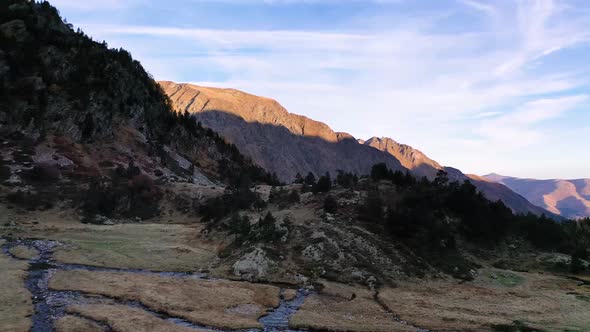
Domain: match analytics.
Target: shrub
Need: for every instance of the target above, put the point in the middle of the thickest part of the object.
(323, 185)
(266, 229)
(101, 199)
(298, 179)
(232, 200)
(576, 264)
(240, 226)
(283, 197)
(346, 180)
(5, 172)
(31, 200)
(379, 172)
(371, 209)
(278, 195)
(310, 179)
(42, 173)
(330, 204)
(294, 197)
(143, 185)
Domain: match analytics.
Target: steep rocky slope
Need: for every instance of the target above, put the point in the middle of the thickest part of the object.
(277, 140)
(288, 144)
(74, 112)
(410, 158)
(568, 198)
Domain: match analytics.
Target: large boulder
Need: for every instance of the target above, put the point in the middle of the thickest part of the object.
(254, 266)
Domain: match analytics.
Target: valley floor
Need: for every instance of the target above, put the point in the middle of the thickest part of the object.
(167, 277)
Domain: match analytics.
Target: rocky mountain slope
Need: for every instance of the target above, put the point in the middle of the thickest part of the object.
(410, 158)
(275, 139)
(75, 113)
(568, 198)
(288, 144)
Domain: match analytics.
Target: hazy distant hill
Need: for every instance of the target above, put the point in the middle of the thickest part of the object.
(568, 198)
(288, 144)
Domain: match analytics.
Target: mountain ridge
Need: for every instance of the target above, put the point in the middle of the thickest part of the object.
(279, 141)
(569, 198)
(254, 125)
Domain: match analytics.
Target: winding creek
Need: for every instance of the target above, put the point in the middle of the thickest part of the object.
(50, 305)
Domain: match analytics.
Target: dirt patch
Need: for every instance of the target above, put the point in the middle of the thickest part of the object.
(205, 302)
(71, 323)
(15, 299)
(540, 301)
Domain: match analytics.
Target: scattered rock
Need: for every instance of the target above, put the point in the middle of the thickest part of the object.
(313, 252)
(102, 220)
(255, 265)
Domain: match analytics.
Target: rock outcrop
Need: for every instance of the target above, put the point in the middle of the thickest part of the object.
(410, 158)
(254, 266)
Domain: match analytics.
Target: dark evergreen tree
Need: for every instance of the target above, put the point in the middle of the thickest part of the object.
(323, 185)
(330, 204)
(298, 179)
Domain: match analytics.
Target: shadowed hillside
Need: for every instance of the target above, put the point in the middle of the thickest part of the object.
(76, 114)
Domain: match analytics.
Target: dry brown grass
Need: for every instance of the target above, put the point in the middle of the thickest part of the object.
(123, 318)
(206, 302)
(71, 323)
(344, 308)
(15, 299)
(542, 301)
(24, 252)
(154, 246)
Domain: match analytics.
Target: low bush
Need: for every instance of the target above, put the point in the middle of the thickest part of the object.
(330, 204)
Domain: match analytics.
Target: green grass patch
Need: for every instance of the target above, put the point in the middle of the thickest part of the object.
(507, 279)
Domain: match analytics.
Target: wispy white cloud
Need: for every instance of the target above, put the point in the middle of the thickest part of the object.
(520, 128)
(92, 5)
(453, 94)
(480, 6)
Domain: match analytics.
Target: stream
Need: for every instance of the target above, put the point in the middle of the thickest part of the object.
(50, 305)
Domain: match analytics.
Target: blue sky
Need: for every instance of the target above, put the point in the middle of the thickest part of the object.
(485, 86)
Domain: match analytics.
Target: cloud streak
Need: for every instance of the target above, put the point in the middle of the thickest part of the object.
(494, 85)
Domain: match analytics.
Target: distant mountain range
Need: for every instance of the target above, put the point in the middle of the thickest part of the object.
(568, 198)
(288, 144)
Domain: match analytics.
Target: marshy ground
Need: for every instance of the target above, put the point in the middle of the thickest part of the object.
(167, 277)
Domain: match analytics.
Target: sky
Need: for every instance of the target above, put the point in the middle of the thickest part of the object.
(484, 86)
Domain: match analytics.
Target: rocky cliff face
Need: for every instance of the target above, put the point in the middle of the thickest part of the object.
(568, 198)
(410, 158)
(277, 140)
(287, 143)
